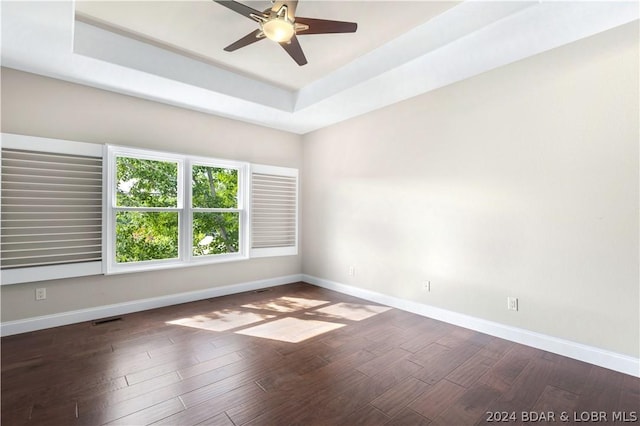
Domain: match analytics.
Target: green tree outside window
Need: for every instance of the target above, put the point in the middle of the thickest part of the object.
(147, 216)
(214, 190)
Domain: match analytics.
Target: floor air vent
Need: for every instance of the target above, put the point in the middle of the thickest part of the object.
(106, 320)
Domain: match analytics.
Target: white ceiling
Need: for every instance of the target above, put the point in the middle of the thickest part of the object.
(201, 29)
(171, 51)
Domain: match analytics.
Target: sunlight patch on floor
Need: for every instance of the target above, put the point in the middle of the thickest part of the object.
(222, 320)
(351, 311)
(286, 304)
(292, 330)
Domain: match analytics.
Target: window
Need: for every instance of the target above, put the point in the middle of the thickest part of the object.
(215, 213)
(51, 209)
(147, 212)
(73, 209)
(274, 211)
(169, 210)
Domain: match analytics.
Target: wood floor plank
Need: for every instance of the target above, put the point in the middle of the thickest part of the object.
(378, 363)
(461, 336)
(343, 346)
(351, 400)
(281, 378)
(102, 400)
(199, 345)
(57, 413)
(444, 363)
(365, 416)
(305, 405)
(229, 377)
(436, 399)
(426, 355)
(161, 369)
(288, 375)
(246, 411)
(207, 410)
(408, 417)
(555, 400)
(219, 420)
(215, 390)
(150, 414)
(212, 364)
(502, 375)
(630, 397)
(17, 416)
(51, 392)
(526, 389)
(602, 389)
(424, 335)
(471, 370)
(496, 348)
(393, 401)
(314, 392)
(397, 371)
(470, 408)
(568, 374)
(383, 366)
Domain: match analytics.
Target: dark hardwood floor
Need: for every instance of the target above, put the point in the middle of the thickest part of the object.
(295, 354)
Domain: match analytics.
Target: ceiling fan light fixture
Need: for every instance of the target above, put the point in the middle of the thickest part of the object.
(279, 30)
(280, 24)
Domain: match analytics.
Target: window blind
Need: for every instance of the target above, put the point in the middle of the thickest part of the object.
(274, 211)
(51, 209)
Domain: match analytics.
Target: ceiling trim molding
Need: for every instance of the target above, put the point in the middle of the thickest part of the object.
(466, 40)
(445, 28)
(110, 47)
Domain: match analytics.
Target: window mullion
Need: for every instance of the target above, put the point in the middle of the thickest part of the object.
(110, 203)
(187, 222)
(146, 209)
(243, 197)
(214, 210)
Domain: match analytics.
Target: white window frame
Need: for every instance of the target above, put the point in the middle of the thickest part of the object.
(243, 237)
(184, 209)
(55, 146)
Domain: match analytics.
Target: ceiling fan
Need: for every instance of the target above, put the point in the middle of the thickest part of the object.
(280, 24)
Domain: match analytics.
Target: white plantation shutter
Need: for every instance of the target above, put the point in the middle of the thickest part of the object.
(51, 209)
(274, 211)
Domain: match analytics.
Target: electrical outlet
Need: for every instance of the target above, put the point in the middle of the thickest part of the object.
(426, 286)
(512, 303)
(352, 270)
(41, 293)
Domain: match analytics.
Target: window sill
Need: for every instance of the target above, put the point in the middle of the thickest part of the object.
(157, 265)
(53, 272)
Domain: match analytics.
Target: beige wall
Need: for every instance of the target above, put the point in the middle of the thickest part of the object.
(39, 106)
(519, 182)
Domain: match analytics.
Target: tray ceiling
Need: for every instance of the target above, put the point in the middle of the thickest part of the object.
(201, 29)
(171, 51)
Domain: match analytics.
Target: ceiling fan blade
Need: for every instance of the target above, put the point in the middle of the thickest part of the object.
(245, 41)
(291, 8)
(295, 51)
(323, 26)
(240, 8)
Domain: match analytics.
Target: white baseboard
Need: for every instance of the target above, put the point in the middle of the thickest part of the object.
(65, 318)
(600, 357)
(603, 358)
